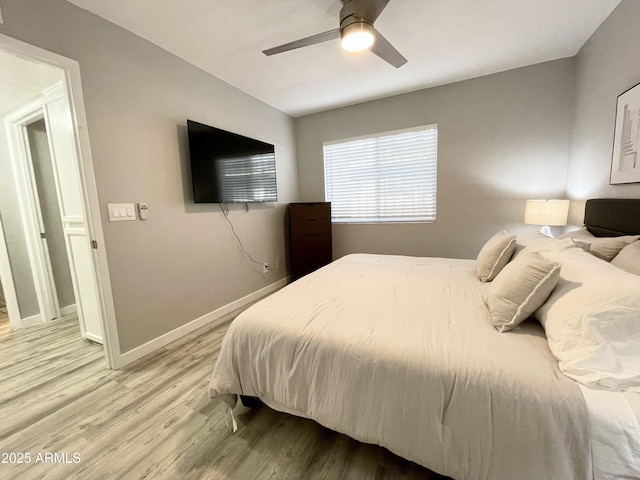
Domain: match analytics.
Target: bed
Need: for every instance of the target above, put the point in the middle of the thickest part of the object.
(402, 352)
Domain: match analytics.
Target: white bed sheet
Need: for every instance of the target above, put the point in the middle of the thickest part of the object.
(401, 352)
(615, 433)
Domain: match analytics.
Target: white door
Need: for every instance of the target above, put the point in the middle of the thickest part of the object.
(57, 114)
(50, 308)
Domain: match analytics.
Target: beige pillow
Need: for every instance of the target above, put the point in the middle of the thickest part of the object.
(495, 254)
(629, 258)
(520, 288)
(605, 248)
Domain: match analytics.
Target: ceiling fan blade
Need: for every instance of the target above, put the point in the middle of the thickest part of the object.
(386, 51)
(370, 9)
(304, 42)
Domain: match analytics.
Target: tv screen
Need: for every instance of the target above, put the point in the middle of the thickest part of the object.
(229, 168)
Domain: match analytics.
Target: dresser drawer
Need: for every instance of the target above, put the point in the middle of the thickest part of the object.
(310, 211)
(309, 227)
(311, 241)
(308, 260)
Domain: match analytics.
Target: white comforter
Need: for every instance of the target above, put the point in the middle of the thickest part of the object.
(400, 352)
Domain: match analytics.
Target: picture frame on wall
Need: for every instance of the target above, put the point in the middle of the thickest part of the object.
(625, 160)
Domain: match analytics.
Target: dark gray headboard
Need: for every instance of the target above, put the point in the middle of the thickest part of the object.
(612, 217)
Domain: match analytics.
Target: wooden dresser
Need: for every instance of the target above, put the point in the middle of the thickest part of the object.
(309, 237)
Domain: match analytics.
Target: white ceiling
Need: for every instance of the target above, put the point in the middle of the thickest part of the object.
(443, 40)
(22, 80)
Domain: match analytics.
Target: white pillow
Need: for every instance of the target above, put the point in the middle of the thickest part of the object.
(592, 321)
(530, 238)
(629, 258)
(535, 241)
(494, 255)
(605, 248)
(519, 289)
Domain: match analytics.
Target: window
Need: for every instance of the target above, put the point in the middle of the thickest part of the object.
(387, 177)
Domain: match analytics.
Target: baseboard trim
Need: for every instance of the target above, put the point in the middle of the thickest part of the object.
(37, 319)
(219, 315)
(31, 321)
(68, 310)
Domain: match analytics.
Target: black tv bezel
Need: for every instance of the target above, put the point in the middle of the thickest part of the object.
(265, 148)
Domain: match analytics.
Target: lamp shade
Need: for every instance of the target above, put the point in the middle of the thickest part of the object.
(546, 212)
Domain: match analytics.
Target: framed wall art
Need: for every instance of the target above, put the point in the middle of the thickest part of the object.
(625, 162)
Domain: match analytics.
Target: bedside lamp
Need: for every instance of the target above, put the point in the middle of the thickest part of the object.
(547, 213)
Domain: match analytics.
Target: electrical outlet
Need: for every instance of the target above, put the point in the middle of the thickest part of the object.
(278, 264)
(265, 268)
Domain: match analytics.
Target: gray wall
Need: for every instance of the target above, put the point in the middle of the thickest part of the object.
(14, 235)
(50, 209)
(183, 262)
(502, 138)
(607, 65)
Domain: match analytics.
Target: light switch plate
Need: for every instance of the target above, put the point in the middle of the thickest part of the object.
(121, 212)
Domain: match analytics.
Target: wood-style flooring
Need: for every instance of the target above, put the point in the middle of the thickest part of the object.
(153, 419)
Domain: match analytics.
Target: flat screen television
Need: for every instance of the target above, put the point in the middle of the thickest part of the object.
(230, 168)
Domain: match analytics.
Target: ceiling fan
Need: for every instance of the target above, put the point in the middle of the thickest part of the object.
(356, 31)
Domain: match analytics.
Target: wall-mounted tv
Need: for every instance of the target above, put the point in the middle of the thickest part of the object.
(230, 168)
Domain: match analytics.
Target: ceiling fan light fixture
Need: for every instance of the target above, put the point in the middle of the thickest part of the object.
(357, 37)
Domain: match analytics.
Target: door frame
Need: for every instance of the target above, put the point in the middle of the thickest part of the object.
(73, 87)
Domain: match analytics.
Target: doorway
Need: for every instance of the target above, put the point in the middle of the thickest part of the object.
(61, 298)
(52, 213)
(47, 142)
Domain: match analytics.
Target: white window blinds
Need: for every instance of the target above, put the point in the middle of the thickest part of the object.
(389, 177)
